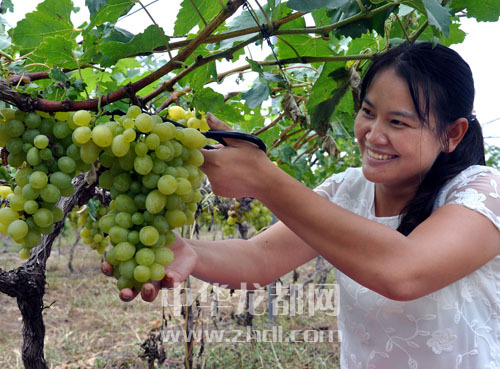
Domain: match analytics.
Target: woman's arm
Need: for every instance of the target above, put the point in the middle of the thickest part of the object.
(451, 243)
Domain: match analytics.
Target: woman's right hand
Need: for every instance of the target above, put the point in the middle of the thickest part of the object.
(182, 266)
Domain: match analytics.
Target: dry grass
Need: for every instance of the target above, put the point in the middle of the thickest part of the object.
(87, 326)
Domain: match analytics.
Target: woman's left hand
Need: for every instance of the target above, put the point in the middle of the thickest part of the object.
(236, 170)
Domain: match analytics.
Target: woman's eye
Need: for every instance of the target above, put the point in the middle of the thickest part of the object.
(398, 122)
(367, 111)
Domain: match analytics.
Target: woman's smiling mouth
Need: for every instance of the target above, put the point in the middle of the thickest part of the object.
(378, 156)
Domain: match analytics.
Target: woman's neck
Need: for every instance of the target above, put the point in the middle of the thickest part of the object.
(390, 201)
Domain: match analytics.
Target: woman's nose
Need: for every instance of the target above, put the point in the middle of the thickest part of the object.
(376, 133)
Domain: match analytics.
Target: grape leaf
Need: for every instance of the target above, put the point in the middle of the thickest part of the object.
(438, 16)
(51, 18)
(304, 45)
(4, 42)
(57, 50)
(94, 5)
(201, 75)
(487, 11)
(256, 95)
(110, 12)
(58, 75)
(207, 99)
(188, 18)
(142, 42)
(310, 5)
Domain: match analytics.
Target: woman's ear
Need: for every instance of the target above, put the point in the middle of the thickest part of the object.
(456, 132)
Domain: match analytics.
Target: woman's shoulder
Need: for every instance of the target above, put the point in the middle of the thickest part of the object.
(477, 188)
(351, 178)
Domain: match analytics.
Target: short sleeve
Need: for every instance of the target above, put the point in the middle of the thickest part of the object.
(476, 188)
(329, 187)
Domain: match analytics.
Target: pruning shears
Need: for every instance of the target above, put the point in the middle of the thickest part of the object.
(219, 136)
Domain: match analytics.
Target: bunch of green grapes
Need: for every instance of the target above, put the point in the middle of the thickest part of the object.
(152, 174)
(41, 148)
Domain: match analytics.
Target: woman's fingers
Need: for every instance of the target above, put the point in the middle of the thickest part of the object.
(217, 124)
(128, 294)
(149, 291)
(107, 269)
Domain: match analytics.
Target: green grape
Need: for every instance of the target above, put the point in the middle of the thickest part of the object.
(38, 180)
(32, 238)
(159, 166)
(24, 253)
(18, 229)
(127, 267)
(61, 130)
(124, 251)
(102, 136)
(129, 135)
(110, 257)
(163, 152)
(144, 123)
(27, 147)
(30, 193)
(133, 237)
(133, 111)
(127, 162)
(128, 123)
(50, 193)
(165, 131)
(81, 135)
(41, 141)
(73, 152)
(150, 180)
(157, 272)
(143, 164)
(30, 207)
(120, 146)
(107, 222)
(125, 203)
(173, 202)
(124, 220)
(175, 218)
(177, 148)
(152, 141)
(149, 235)
(167, 184)
(15, 160)
(145, 256)
(15, 128)
(33, 120)
(58, 214)
(195, 158)
(82, 118)
(60, 180)
(89, 152)
(66, 164)
(43, 218)
(106, 180)
(14, 145)
(137, 218)
(135, 187)
(183, 186)
(106, 159)
(33, 157)
(155, 202)
(16, 202)
(141, 149)
(123, 282)
(142, 273)
(118, 235)
(122, 182)
(163, 255)
(160, 223)
(46, 154)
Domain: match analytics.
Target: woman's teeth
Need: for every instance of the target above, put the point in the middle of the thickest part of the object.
(380, 156)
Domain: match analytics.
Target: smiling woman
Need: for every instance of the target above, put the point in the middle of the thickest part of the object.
(413, 234)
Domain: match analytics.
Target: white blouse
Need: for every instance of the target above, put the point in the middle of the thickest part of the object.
(457, 326)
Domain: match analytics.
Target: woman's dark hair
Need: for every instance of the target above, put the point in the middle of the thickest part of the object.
(441, 82)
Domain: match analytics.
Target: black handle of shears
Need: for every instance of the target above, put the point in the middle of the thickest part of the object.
(219, 136)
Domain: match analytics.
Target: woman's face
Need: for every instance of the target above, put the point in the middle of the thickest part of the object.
(396, 148)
